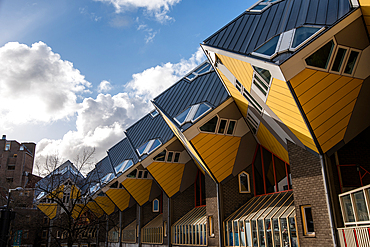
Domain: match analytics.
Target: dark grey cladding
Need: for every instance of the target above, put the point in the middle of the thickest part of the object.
(250, 29)
(122, 151)
(103, 167)
(205, 88)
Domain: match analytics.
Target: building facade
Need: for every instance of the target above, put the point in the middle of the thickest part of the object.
(264, 144)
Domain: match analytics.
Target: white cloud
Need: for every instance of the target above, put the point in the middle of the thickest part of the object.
(104, 86)
(101, 122)
(36, 85)
(156, 8)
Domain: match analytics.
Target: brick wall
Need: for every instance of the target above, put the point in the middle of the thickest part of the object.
(129, 215)
(308, 188)
(212, 210)
(182, 203)
(147, 211)
(232, 199)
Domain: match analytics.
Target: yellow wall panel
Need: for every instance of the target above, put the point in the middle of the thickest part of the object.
(94, 207)
(269, 141)
(78, 210)
(241, 70)
(139, 189)
(106, 204)
(218, 151)
(49, 209)
(282, 103)
(240, 101)
(57, 193)
(168, 175)
(120, 197)
(365, 8)
(328, 101)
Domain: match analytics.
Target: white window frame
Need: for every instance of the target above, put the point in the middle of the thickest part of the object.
(198, 74)
(248, 181)
(154, 113)
(268, 4)
(218, 125)
(155, 211)
(191, 114)
(124, 165)
(148, 146)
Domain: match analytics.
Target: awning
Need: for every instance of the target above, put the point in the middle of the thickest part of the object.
(191, 229)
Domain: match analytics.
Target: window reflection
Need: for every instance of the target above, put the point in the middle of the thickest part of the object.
(361, 210)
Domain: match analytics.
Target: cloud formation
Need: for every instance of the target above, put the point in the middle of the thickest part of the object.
(156, 8)
(104, 86)
(36, 85)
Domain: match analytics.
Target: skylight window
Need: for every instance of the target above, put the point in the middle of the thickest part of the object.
(287, 41)
(202, 69)
(107, 178)
(262, 5)
(154, 113)
(123, 166)
(149, 147)
(94, 188)
(192, 113)
(40, 195)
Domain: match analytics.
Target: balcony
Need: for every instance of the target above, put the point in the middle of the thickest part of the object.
(354, 236)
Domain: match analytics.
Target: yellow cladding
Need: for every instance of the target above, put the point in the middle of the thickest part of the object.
(328, 101)
(240, 101)
(268, 140)
(78, 210)
(365, 8)
(94, 207)
(218, 152)
(139, 189)
(49, 209)
(106, 204)
(120, 197)
(57, 193)
(282, 103)
(241, 70)
(75, 193)
(168, 175)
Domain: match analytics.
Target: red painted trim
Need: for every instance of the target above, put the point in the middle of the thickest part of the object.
(340, 180)
(287, 175)
(344, 237)
(359, 173)
(273, 165)
(368, 229)
(354, 231)
(272, 153)
(263, 169)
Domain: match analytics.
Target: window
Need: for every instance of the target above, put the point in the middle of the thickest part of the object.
(15, 155)
(123, 166)
(9, 180)
(211, 226)
(7, 146)
(202, 69)
(161, 156)
(321, 58)
(200, 198)
(11, 167)
(262, 5)
(244, 186)
(21, 148)
(155, 205)
(248, 96)
(192, 113)
(339, 59)
(44, 234)
(351, 62)
(132, 174)
(58, 234)
(290, 40)
(210, 126)
(231, 127)
(261, 81)
(107, 178)
(149, 147)
(154, 113)
(253, 122)
(94, 188)
(308, 228)
(66, 198)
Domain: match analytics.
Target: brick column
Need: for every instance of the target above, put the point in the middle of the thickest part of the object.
(308, 189)
(212, 210)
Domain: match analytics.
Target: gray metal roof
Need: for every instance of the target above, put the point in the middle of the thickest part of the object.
(251, 29)
(122, 151)
(103, 167)
(148, 128)
(205, 88)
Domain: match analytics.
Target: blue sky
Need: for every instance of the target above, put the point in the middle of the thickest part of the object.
(75, 74)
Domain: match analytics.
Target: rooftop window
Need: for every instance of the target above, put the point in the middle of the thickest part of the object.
(123, 166)
(192, 113)
(154, 113)
(262, 5)
(202, 69)
(149, 147)
(94, 188)
(107, 178)
(287, 41)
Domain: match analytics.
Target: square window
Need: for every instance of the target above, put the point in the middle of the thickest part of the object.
(308, 226)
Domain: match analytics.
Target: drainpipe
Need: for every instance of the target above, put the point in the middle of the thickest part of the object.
(219, 215)
(328, 200)
(169, 234)
(120, 229)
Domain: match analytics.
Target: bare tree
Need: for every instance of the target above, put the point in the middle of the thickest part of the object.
(65, 196)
